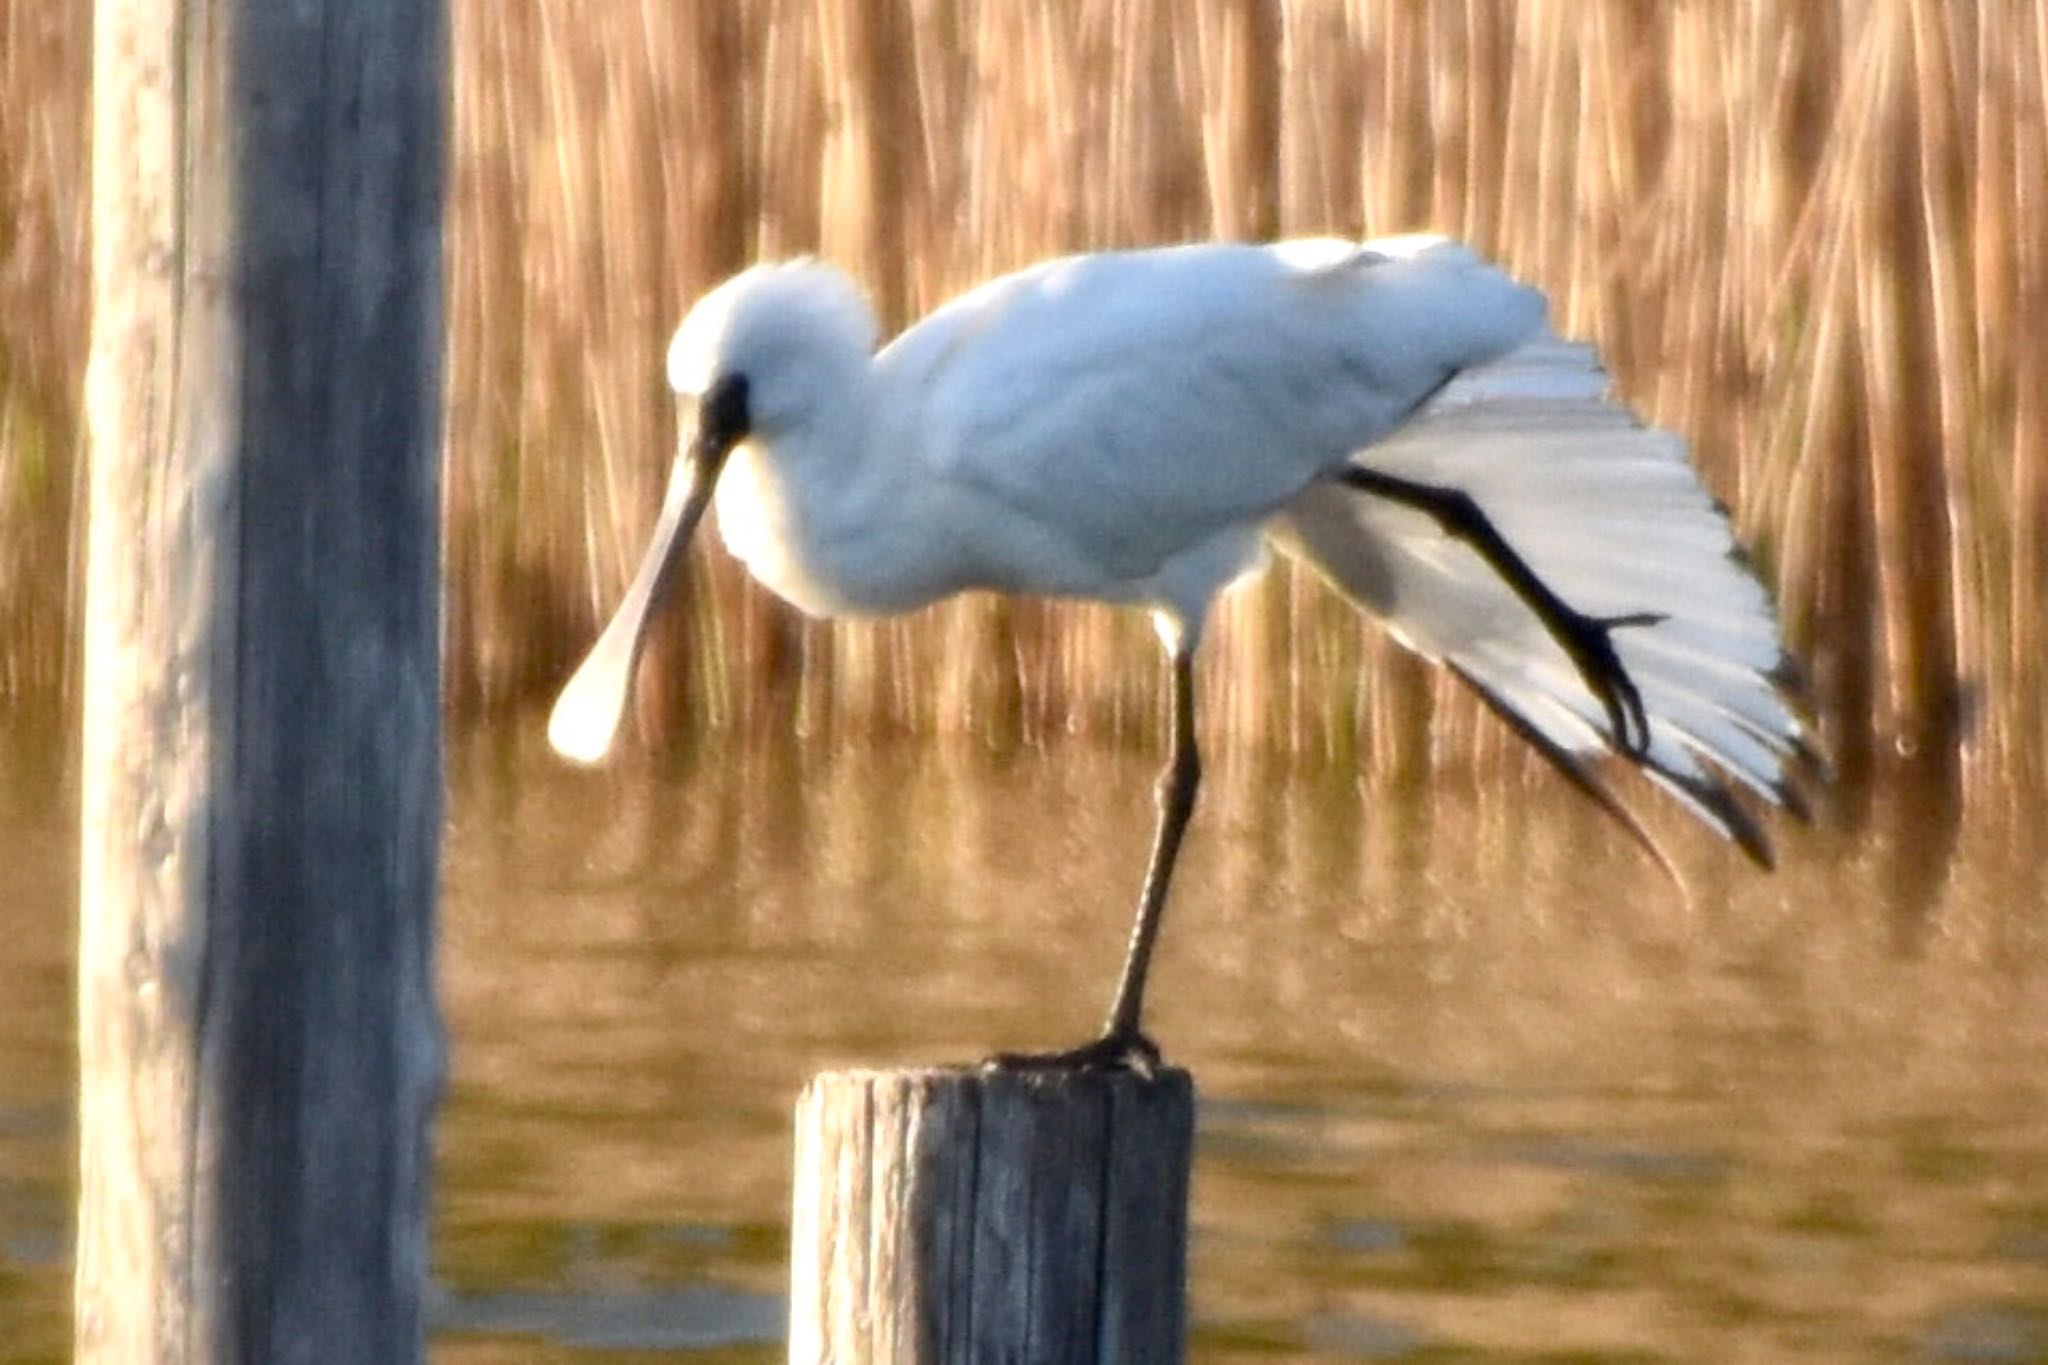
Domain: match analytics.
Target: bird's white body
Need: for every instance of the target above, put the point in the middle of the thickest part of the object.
(1143, 427)
(1118, 426)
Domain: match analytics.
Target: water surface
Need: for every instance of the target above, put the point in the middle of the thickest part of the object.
(1477, 1082)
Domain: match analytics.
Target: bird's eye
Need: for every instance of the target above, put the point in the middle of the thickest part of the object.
(722, 417)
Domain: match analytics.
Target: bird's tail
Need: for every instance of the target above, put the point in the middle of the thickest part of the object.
(1609, 514)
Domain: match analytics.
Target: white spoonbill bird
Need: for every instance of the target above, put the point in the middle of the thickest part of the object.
(1141, 427)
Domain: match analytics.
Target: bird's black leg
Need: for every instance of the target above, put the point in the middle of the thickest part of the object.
(1585, 639)
(1123, 1044)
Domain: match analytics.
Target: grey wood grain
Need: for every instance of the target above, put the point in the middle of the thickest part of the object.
(259, 1045)
(990, 1216)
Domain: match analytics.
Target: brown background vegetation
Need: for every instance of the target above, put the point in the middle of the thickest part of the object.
(1809, 236)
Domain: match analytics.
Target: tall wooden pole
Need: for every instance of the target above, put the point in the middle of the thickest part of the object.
(259, 1045)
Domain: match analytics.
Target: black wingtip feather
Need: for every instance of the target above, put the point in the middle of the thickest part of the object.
(1792, 797)
(1722, 809)
(1789, 678)
(1576, 772)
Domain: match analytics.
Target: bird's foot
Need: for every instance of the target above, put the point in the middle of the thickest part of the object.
(1589, 640)
(1128, 1051)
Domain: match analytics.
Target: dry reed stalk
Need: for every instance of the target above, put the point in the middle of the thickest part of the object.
(1806, 235)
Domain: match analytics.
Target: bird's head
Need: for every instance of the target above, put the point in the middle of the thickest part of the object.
(792, 334)
(760, 356)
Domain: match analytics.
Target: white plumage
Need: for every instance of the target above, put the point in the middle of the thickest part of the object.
(1140, 427)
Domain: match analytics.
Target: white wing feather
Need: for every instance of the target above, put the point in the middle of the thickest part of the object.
(1610, 515)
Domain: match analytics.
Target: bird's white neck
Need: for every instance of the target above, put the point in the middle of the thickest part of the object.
(807, 505)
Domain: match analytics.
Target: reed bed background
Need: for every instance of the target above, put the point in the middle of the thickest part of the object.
(1810, 236)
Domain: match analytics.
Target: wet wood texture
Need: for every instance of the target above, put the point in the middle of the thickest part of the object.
(968, 1216)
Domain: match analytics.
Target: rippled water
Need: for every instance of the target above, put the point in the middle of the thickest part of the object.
(1477, 1083)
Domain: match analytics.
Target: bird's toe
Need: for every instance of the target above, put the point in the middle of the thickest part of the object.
(1129, 1051)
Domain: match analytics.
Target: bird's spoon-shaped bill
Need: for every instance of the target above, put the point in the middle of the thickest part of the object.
(586, 715)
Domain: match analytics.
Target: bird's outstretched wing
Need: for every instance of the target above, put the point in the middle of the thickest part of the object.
(1134, 404)
(1609, 513)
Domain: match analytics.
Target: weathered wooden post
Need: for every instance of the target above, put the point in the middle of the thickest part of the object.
(961, 1217)
(259, 1045)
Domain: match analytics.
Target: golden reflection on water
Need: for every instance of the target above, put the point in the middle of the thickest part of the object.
(1477, 1082)
(38, 869)
(1477, 1079)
